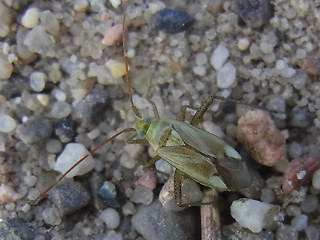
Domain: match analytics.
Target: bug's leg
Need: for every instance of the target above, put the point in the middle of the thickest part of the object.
(155, 111)
(197, 118)
(152, 161)
(182, 114)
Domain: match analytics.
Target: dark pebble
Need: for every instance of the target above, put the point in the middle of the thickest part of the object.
(69, 197)
(16, 228)
(254, 13)
(65, 129)
(91, 109)
(171, 21)
(34, 130)
(300, 117)
(108, 192)
(153, 222)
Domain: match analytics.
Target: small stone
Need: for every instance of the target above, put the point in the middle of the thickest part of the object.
(51, 216)
(310, 204)
(261, 138)
(8, 195)
(116, 67)
(171, 21)
(226, 76)
(39, 41)
(214, 6)
(113, 35)
(300, 222)
(253, 214)
(91, 109)
(295, 150)
(285, 232)
(267, 195)
(316, 179)
(65, 129)
(299, 172)
(109, 194)
(142, 195)
(80, 5)
(243, 44)
(311, 66)
(148, 179)
(30, 180)
(300, 117)
(53, 146)
(154, 222)
(16, 228)
(110, 217)
(6, 68)
(219, 56)
(201, 59)
(115, 3)
(312, 232)
(200, 71)
(34, 130)
(6, 18)
(7, 123)
(50, 22)
(253, 13)
(128, 208)
(70, 155)
(37, 81)
(30, 19)
(60, 110)
(277, 103)
(69, 197)
(113, 235)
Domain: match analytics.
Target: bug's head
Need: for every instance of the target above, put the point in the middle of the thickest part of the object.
(142, 126)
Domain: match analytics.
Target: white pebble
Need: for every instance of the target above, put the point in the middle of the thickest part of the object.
(201, 59)
(53, 146)
(7, 123)
(80, 5)
(37, 81)
(117, 68)
(251, 213)
(70, 155)
(60, 110)
(219, 57)
(30, 19)
(59, 95)
(30, 180)
(26, 207)
(280, 64)
(33, 194)
(110, 217)
(10, 206)
(299, 222)
(51, 216)
(6, 68)
(199, 70)
(243, 44)
(316, 179)
(115, 3)
(226, 76)
(94, 134)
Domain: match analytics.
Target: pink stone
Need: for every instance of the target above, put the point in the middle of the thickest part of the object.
(148, 179)
(113, 35)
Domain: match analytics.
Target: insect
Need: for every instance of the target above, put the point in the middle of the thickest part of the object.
(194, 152)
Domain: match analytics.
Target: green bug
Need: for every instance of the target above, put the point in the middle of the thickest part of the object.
(194, 152)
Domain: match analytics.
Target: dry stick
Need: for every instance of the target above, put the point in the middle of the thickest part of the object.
(210, 220)
(42, 195)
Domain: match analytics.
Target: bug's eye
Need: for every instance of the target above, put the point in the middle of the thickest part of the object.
(141, 133)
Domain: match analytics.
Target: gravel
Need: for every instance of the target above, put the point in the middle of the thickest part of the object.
(55, 89)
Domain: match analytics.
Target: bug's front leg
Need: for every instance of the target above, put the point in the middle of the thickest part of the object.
(198, 116)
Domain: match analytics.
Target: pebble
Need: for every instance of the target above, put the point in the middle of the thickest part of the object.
(219, 56)
(39, 41)
(299, 172)
(53, 146)
(60, 110)
(7, 123)
(37, 81)
(30, 18)
(199, 71)
(316, 179)
(6, 68)
(310, 204)
(253, 13)
(30, 180)
(50, 22)
(243, 44)
(311, 65)
(34, 130)
(148, 179)
(201, 59)
(277, 103)
(265, 143)
(110, 217)
(69, 197)
(154, 222)
(295, 150)
(113, 35)
(16, 228)
(115, 3)
(171, 21)
(226, 76)
(108, 193)
(312, 232)
(267, 195)
(116, 67)
(300, 117)
(91, 109)
(7, 16)
(51, 216)
(65, 129)
(8, 195)
(253, 214)
(80, 5)
(70, 155)
(285, 232)
(128, 208)
(300, 222)
(142, 195)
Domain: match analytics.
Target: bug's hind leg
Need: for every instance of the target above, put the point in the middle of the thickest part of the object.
(182, 114)
(197, 118)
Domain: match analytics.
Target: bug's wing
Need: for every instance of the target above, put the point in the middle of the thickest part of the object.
(227, 160)
(196, 166)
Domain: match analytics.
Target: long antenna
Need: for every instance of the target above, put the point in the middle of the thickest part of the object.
(134, 108)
